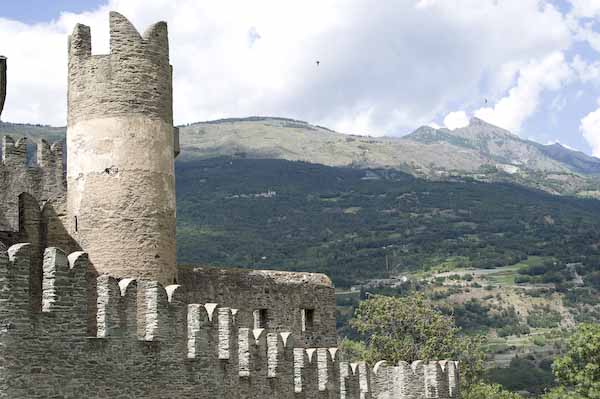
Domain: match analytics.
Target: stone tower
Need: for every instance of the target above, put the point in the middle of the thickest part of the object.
(121, 147)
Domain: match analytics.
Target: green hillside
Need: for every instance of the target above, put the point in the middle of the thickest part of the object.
(356, 224)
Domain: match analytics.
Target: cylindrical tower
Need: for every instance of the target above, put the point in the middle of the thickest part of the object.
(120, 151)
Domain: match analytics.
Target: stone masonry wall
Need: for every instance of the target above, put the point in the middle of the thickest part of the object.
(301, 303)
(151, 343)
(43, 181)
(29, 195)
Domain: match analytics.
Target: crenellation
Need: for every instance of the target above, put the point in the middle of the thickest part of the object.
(49, 155)
(280, 365)
(107, 310)
(156, 37)
(198, 339)
(14, 154)
(80, 42)
(336, 375)
(135, 77)
(307, 367)
(155, 311)
(177, 314)
(274, 355)
(450, 368)
(128, 309)
(226, 335)
(364, 380)
(245, 346)
(259, 357)
(18, 303)
(351, 385)
(42, 181)
(325, 367)
(383, 380)
(55, 274)
(189, 342)
(436, 381)
(411, 379)
(125, 40)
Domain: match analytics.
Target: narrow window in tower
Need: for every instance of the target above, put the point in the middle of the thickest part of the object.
(308, 319)
(261, 318)
(76, 226)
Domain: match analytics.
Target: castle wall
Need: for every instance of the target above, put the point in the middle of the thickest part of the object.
(121, 145)
(301, 303)
(43, 180)
(25, 188)
(151, 343)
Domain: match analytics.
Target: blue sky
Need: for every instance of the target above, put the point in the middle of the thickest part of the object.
(32, 11)
(530, 66)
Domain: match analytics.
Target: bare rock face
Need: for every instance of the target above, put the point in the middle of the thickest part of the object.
(2, 82)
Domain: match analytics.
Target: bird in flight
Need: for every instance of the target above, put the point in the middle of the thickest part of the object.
(318, 62)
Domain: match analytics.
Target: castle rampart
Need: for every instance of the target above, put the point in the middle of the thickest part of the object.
(151, 343)
(121, 146)
(301, 303)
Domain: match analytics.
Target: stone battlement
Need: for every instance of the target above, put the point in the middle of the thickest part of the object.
(14, 153)
(43, 179)
(149, 342)
(134, 78)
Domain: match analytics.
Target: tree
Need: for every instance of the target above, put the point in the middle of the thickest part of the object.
(489, 391)
(562, 393)
(580, 366)
(411, 328)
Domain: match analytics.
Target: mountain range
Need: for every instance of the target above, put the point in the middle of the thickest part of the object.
(479, 151)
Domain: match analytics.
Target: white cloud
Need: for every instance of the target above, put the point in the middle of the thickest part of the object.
(585, 8)
(455, 120)
(582, 20)
(383, 69)
(522, 100)
(590, 128)
(584, 31)
(586, 71)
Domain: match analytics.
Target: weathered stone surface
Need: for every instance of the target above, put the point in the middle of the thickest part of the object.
(43, 180)
(23, 187)
(285, 296)
(121, 146)
(150, 342)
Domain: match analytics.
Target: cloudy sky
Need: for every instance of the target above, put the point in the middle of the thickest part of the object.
(386, 66)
